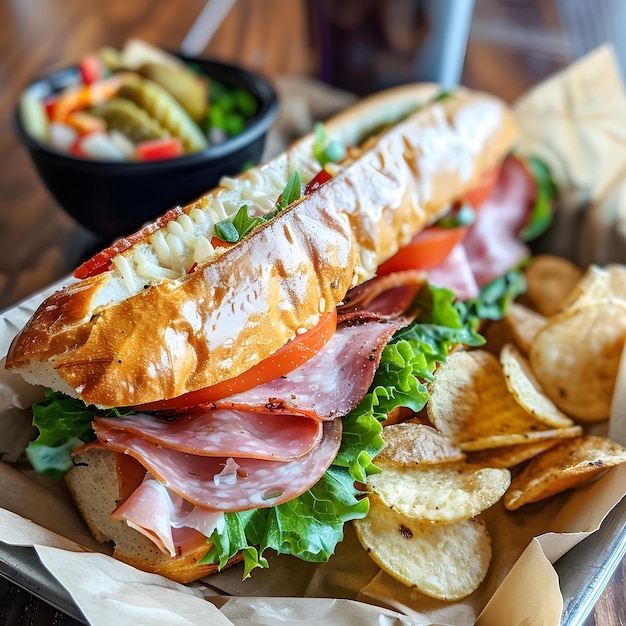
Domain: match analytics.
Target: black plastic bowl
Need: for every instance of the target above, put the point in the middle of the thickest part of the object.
(112, 199)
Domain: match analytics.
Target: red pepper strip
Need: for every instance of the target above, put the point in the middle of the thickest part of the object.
(101, 261)
(158, 149)
(321, 178)
(91, 69)
(86, 96)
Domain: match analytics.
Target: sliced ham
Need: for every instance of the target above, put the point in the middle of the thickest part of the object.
(255, 483)
(334, 381)
(492, 243)
(388, 296)
(225, 433)
(176, 526)
(455, 273)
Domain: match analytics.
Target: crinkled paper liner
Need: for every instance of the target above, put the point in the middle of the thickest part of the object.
(576, 123)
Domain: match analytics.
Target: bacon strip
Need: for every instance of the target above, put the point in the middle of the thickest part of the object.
(224, 433)
(256, 483)
(334, 381)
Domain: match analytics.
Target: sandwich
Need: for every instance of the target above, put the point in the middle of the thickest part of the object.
(217, 382)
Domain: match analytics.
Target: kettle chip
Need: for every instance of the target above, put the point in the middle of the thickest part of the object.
(549, 282)
(471, 404)
(523, 324)
(409, 444)
(510, 456)
(443, 561)
(598, 283)
(576, 357)
(527, 391)
(567, 465)
(439, 495)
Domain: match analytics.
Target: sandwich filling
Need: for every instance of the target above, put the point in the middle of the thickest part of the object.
(279, 465)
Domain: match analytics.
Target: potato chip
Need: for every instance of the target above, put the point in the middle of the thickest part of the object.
(514, 439)
(438, 494)
(565, 466)
(576, 357)
(411, 444)
(523, 325)
(497, 333)
(549, 281)
(470, 402)
(510, 456)
(527, 391)
(595, 284)
(444, 561)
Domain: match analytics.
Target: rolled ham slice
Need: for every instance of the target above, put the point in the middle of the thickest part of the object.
(176, 526)
(389, 295)
(227, 484)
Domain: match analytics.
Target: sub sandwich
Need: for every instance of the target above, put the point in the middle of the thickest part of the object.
(218, 380)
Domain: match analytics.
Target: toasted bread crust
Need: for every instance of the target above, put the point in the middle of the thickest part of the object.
(181, 335)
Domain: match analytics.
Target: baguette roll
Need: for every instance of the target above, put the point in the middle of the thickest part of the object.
(159, 324)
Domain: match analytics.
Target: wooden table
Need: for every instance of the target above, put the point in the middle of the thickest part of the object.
(40, 243)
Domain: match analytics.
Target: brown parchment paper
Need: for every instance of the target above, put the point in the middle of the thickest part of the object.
(576, 123)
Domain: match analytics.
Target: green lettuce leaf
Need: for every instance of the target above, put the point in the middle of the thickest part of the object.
(494, 298)
(64, 423)
(542, 210)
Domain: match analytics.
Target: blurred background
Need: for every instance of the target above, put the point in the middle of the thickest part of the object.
(501, 46)
(354, 44)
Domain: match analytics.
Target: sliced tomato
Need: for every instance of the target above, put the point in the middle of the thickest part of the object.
(101, 262)
(286, 359)
(482, 190)
(431, 247)
(427, 249)
(160, 149)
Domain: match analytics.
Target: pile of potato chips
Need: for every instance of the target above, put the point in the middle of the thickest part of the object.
(502, 422)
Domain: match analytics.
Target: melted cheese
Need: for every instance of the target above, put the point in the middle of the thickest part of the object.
(173, 251)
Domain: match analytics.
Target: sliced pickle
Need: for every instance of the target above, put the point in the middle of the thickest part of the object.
(164, 108)
(111, 58)
(189, 90)
(129, 119)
